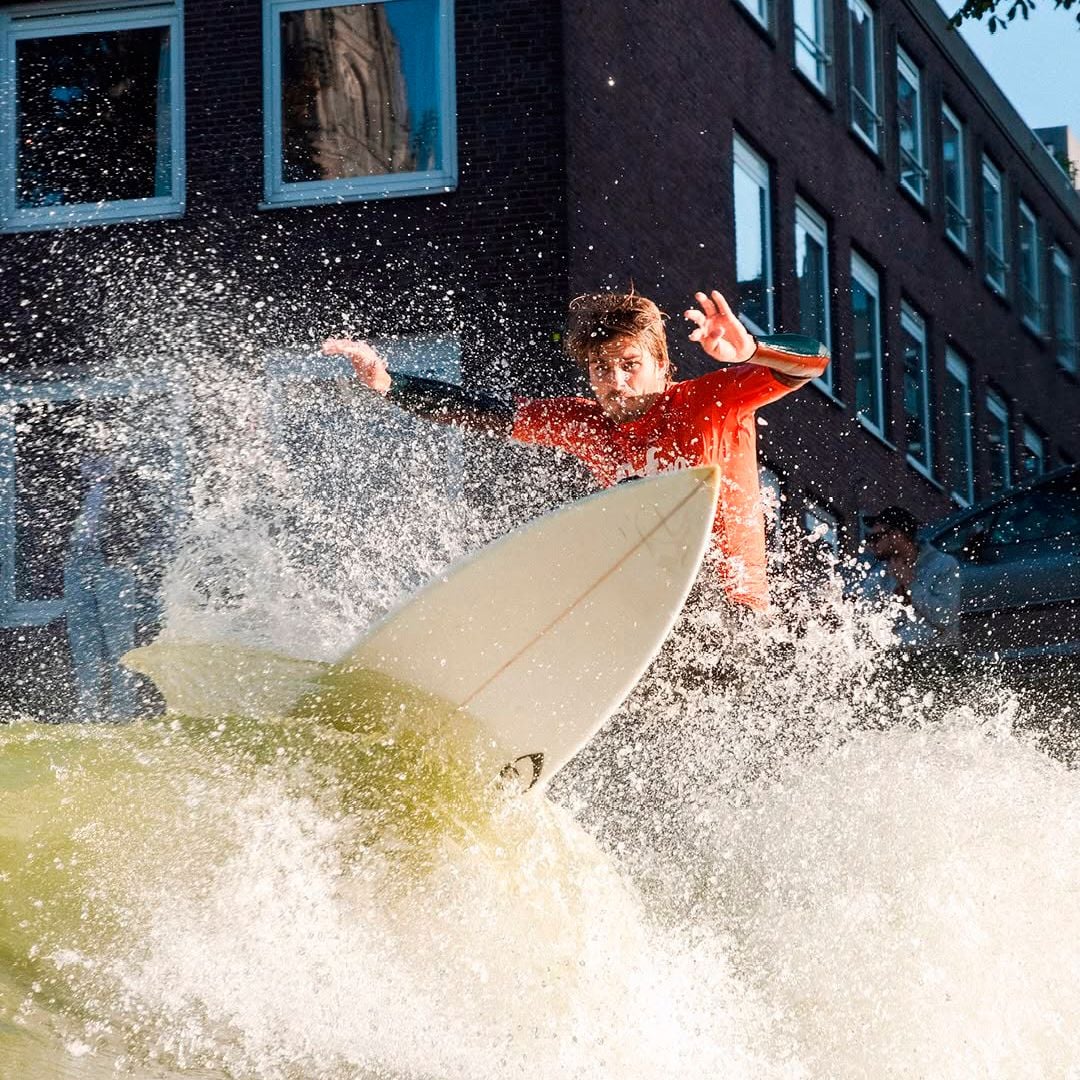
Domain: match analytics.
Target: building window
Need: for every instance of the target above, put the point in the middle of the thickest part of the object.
(1030, 278)
(760, 10)
(909, 122)
(863, 63)
(999, 443)
(993, 226)
(954, 177)
(91, 115)
(753, 239)
(956, 415)
(811, 42)
(812, 272)
(358, 100)
(916, 387)
(823, 525)
(866, 318)
(1063, 310)
(1032, 454)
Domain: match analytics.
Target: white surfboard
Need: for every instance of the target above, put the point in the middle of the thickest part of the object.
(537, 637)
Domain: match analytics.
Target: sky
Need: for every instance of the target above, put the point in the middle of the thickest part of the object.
(1036, 63)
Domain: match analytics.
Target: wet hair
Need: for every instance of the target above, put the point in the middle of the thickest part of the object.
(598, 318)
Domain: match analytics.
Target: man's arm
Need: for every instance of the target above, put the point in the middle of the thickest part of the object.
(441, 402)
(792, 358)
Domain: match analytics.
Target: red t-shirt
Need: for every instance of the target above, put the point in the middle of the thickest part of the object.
(703, 421)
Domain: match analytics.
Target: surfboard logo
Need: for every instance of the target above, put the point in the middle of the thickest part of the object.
(525, 770)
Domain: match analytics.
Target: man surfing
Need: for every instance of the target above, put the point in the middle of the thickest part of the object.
(639, 421)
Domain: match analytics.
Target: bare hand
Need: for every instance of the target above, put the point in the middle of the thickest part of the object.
(369, 366)
(718, 331)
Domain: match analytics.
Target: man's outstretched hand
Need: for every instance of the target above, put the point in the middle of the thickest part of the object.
(718, 331)
(369, 366)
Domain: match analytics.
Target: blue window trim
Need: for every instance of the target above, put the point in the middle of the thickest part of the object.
(25, 22)
(278, 192)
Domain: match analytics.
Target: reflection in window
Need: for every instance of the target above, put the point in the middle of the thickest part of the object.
(811, 29)
(812, 271)
(993, 226)
(954, 177)
(97, 116)
(1063, 310)
(866, 320)
(753, 239)
(916, 386)
(1030, 278)
(956, 417)
(862, 59)
(364, 99)
(999, 446)
(909, 121)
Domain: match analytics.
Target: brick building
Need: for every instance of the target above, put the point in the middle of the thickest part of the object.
(843, 168)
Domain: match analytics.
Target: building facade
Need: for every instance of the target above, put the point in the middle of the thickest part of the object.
(190, 181)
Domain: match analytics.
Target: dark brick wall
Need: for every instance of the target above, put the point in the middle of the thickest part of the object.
(654, 94)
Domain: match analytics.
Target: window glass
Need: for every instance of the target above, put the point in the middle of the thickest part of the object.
(861, 45)
(363, 100)
(1048, 514)
(1032, 453)
(759, 9)
(95, 102)
(866, 319)
(753, 254)
(954, 177)
(998, 442)
(1063, 310)
(910, 126)
(812, 272)
(956, 413)
(993, 226)
(916, 386)
(1030, 278)
(811, 57)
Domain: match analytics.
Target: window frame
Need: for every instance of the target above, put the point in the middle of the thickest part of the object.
(1028, 261)
(1034, 441)
(760, 11)
(1065, 348)
(815, 48)
(913, 323)
(32, 21)
(815, 226)
(997, 407)
(959, 210)
(960, 370)
(994, 259)
(856, 98)
(278, 192)
(754, 166)
(870, 281)
(916, 160)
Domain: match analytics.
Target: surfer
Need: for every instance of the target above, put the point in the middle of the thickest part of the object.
(640, 421)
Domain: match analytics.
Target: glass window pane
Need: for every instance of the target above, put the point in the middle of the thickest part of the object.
(811, 270)
(952, 154)
(909, 123)
(863, 70)
(1032, 454)
(866, 324)
(993, 227)
(93, 117)
(360, 91)
(810, 55)
(916, 387)
(1063, 303)
(999, 451)
(753, 268)
(1030, 285)
(956, 411)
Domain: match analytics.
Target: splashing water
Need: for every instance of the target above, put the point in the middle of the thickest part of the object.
(788, 856)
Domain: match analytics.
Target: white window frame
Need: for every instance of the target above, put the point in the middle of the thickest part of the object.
(756, 169)
(866, 276)
(915, 325)
(997, 267)
(1029, 265)
(1066, 346)
(279, 192)
(41, 612)
(812, 57)
(998, 409)
(1035, 444)
(809, 222)
(913, 161)
(957, 368)
(23, 22)
(957, 208)
(860, 11)
(760, 11)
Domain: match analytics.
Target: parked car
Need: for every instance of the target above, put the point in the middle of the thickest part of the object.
(1019, 556)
